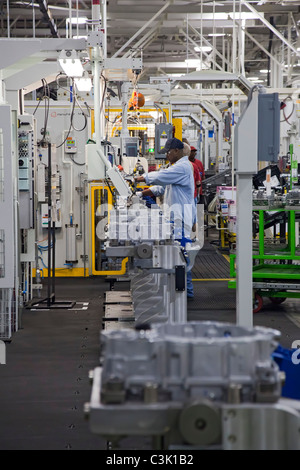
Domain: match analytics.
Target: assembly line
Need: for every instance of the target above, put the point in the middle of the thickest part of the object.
(118, 180)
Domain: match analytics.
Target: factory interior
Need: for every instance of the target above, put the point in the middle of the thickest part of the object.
(102, 345)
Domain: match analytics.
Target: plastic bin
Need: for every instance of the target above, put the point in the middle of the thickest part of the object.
(283, 357)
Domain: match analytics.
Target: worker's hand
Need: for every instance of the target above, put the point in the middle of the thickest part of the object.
(139, 193)
(139, 179)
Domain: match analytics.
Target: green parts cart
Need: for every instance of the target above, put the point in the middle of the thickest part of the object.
(276, 259)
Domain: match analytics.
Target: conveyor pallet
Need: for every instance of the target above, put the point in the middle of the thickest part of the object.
(117, 325)
(118, 297)
(118, 312)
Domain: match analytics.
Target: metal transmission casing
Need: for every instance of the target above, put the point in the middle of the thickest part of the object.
(138, 224)
(157, 265)
(200, 384)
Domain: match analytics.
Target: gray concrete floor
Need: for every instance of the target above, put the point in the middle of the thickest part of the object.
(45, 383)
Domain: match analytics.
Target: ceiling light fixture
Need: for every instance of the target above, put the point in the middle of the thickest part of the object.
(70, 63)
(216, 34)
(245, 15)
(203, 48)
(197, 64)
(193, 62)
(84, 83)
(75, 20)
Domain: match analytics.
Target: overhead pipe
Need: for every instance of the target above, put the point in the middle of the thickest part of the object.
(70, 20)
(8, 18)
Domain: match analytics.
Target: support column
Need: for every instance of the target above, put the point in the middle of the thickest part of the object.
(244, 291)
(245, 162)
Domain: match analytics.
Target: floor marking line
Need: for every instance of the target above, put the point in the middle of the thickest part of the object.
(294, 320)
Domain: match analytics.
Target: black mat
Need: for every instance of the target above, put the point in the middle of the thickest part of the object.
(210, 264)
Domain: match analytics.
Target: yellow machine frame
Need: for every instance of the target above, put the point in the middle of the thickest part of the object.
(95, 187)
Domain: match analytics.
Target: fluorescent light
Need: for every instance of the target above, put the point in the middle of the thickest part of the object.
(203, 48)
(264, 71)
(79, 20)
(84, 83)
(197, 64)
(252, 78)
(245, 15)
(70, 63)
(193, 62)
(216, 34)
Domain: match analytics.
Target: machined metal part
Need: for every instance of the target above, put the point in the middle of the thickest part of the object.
(144, 251)
(200, 423)
(252, 426)
(197, 358)
(198, 384)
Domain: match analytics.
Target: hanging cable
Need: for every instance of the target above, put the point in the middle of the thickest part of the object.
(70, 127)
(286, 118)
(103, 94)
(75, 101)
(74, 161)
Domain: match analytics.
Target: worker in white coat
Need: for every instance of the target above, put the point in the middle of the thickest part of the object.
(176, 183)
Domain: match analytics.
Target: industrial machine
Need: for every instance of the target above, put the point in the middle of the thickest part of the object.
(275, 248)
(196, 385)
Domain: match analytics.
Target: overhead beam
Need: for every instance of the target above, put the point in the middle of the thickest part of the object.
(144, 39)
(19, 54)
(274, 30)
(30, 79)
(143, 28)
(262, 48)
(207, 43)
(203, 52)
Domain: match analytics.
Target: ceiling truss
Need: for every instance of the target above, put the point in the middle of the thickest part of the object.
(166, 32)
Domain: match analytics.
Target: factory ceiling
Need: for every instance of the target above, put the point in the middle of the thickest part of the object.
(247, 37)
